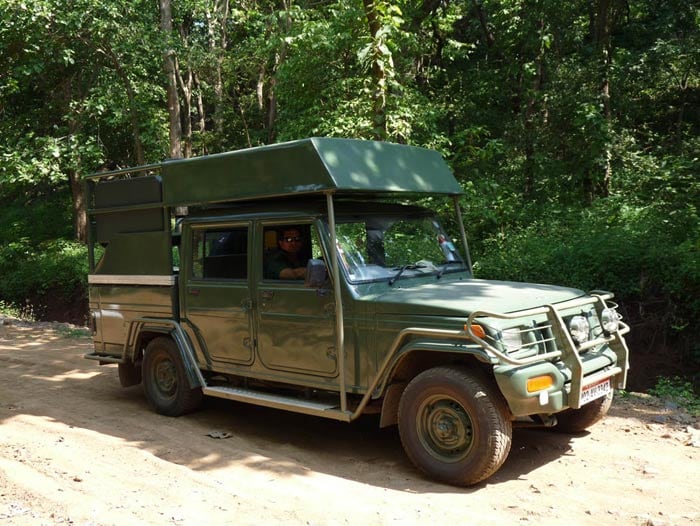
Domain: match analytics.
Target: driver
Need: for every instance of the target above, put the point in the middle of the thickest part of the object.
(287, 262)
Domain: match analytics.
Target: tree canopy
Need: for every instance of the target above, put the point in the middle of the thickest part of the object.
(573, 127)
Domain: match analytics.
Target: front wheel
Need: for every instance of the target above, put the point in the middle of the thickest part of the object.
(454, 425)
(165, 381)
(577, 420)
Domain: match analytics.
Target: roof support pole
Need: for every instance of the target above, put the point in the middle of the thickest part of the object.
(339, 325)
(463, 233)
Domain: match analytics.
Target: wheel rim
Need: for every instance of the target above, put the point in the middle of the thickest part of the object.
(444, 428)
(165, 377)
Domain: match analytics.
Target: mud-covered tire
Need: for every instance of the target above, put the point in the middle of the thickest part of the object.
(578, 420)
(454, 425)
(165, 380)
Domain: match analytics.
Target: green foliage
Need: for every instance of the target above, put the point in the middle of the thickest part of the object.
(578, 152)
(73, 332)
(36, 219)
(31, 271)
(678, 391)
(636, 251)
(10, 310)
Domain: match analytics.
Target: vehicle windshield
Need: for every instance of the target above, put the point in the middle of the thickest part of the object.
(388, 248)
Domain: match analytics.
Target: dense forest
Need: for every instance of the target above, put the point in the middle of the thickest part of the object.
(573, 127)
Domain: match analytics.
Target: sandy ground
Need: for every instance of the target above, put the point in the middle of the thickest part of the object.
(76, 448)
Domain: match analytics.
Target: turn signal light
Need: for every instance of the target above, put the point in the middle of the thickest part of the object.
(539, 383)
(477, 330)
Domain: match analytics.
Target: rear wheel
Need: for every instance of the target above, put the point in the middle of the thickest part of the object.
(454, 425)
(165, 381)
(577, 420)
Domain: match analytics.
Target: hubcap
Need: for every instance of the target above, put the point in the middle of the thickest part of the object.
(444, 428)
(165, 377)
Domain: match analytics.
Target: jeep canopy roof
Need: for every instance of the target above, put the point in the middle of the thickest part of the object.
(129, 210)
(307, 166)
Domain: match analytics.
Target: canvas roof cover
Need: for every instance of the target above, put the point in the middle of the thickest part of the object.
(307, 166)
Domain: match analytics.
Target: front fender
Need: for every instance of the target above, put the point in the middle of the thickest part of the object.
(413, 358)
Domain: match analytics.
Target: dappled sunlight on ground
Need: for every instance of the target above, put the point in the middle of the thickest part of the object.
(77, 446)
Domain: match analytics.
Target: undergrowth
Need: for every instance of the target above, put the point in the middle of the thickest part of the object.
(679, 391)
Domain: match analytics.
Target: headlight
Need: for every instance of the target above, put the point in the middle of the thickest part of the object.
(579, 329)
(512, 339)
(610, 320)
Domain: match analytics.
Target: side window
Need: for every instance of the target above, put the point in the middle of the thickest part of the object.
(220, 253)
(287, 249)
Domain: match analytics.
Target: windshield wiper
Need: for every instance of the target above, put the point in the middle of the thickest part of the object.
(401, 270)
(443, 267)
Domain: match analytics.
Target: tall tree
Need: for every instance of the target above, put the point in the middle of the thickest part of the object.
(379, 55)
(217, 18)
(604, 15)
(170, 69)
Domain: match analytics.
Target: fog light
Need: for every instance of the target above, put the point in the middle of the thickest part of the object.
(579, 329)
(610, 320)
(538, 383)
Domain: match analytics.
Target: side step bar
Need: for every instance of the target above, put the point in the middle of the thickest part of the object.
(103, 358)
(287, 403)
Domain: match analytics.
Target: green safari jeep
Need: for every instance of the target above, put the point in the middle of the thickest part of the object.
(384, 316)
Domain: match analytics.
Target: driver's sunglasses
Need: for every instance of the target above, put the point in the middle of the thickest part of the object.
(291, 239)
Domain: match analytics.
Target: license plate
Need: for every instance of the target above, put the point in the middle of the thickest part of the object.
(595, 391)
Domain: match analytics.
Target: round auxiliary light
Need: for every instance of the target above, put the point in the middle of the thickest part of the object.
(579, 329)
(610, 320)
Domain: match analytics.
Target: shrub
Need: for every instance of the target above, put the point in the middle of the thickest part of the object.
(29, 272)
(678, 391)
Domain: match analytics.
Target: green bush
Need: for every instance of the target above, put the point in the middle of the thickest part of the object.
(678, 391)
(636, 252)
(32, 271)
(37, 218)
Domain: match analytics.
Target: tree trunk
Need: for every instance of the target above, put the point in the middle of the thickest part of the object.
(73, 174)
(79, 212)
(169, 66)
(260, 88)
(280, 57)
(603, 16)
(530, 114)
(379, 72)
(216, 28)
(201, 115)
(186, 87)
(488, 34)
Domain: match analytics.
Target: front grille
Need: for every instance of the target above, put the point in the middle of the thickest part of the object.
(540, 333)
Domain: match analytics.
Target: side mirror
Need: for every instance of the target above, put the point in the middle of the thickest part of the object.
(316, 274)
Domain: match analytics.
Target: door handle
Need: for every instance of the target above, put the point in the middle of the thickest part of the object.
(194, 292)
(267, 294)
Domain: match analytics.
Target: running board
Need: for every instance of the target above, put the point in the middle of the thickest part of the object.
(287, 403)
(103, 359)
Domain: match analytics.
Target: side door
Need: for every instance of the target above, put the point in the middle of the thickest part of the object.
(217, 300)
(295, 324)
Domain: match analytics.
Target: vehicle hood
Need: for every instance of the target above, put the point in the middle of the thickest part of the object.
(460, 297)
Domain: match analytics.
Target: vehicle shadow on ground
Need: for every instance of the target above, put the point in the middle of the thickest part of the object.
(358, 451)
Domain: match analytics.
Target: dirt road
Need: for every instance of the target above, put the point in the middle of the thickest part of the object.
(76, 448)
